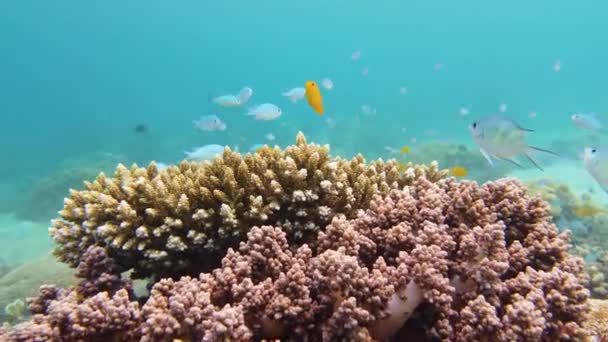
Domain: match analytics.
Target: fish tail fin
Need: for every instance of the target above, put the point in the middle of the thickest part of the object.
(533, 162)
(523, 128)
(512, 162)
(543, 150)
(486, 156)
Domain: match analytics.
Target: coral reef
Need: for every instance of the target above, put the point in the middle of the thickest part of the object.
(447, 260)
(15, 311)
(41, 198)
(25, 280)
(598, 271)
(450, 155)
(597, 323)
(588, 223)
(4, 267)
(180, 221)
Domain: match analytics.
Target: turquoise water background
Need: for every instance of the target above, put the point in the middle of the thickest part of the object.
(77, 77)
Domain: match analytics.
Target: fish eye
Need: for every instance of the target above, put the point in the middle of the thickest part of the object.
(593, 151)
(474, 124)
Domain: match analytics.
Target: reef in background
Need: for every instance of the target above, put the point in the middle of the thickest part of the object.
(41, 199)
(450, 155)
(588, 223)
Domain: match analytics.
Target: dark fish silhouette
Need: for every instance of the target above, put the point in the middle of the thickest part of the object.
(141, 128)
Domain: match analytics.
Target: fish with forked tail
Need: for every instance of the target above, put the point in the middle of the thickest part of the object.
(502, 138)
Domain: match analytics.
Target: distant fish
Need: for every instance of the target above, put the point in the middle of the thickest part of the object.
(532, 114)
(557, 66)
(438, 66)
(210, 123)
(464, 111)
(402, 90)
(459, 171)
(368, 110)
(588, 210)
(203, 153)
(391, 150)
(355, 55)
(244, 95)
(405, 150)
(256, 147)
(141, 128)
(365, 71)
(330, 122)
(269, 137)
(265, 112)
(500, 137)
(595, 160)
(227, 101)
(234, 100)
(313, 96)
(590, 122)
(295, 94)
(327, 83)
(502, 108)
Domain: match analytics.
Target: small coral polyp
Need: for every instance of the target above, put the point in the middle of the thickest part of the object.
(181, 220)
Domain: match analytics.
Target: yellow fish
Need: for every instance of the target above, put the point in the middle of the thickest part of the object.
(459, 171)
(313, 95)
(587, 210)
(405, 150)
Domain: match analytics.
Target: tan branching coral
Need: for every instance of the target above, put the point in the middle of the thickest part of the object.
(181, 220)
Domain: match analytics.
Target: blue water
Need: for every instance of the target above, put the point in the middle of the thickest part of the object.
(76, 77)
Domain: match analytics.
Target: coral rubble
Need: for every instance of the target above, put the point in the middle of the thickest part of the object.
(447, 260)
(181, 220)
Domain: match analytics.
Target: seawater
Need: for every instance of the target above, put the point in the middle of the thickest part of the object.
(77, 77)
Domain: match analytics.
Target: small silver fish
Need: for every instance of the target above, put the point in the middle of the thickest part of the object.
(596, 163)
(502, 138)
(244, 95)
(203, 153)
(227, 101)
(265, 112)
(209, 123)
(295, 94)
(588, 121)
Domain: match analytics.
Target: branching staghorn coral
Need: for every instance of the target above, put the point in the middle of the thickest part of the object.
(181, 220)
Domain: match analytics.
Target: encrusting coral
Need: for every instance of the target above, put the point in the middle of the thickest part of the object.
(449, 260)
(598, 318)
(181, 220)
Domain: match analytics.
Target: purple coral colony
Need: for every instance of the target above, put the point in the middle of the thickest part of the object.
(299, 245)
